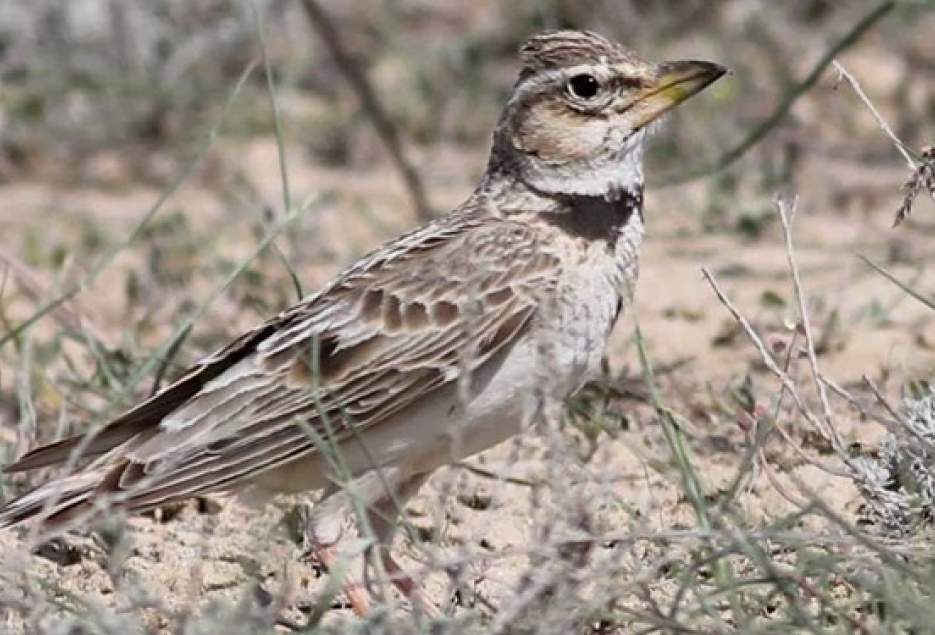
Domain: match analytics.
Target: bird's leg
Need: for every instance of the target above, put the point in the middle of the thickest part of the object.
(383, 519)
(324, 531)
(356, 594)
(381, 496)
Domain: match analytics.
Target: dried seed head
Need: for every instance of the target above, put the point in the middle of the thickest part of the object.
(923, 178)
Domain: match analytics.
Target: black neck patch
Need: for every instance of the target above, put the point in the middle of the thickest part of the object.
(597, 217)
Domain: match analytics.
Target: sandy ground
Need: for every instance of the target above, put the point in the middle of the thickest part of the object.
(224, 551)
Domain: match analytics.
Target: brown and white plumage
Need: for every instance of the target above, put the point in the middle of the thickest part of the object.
(387, 332)
(438, 345)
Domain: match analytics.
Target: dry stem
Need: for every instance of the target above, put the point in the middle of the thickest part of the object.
(372, 105)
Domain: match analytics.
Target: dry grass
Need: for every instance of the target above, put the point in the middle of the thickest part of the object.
(733, 472)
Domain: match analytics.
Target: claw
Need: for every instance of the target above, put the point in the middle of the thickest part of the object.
(355, 593)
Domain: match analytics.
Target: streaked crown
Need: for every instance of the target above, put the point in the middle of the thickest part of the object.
(560, 49)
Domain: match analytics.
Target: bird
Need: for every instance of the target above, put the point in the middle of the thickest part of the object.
(434, 347)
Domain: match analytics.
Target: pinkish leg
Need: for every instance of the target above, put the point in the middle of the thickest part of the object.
(326, 528)
(383, 516)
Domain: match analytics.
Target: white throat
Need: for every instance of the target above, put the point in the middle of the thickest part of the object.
(607, 175)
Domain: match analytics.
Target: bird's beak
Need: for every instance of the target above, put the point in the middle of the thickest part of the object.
(674, 83)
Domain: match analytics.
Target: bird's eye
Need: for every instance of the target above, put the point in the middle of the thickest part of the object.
(583, 86)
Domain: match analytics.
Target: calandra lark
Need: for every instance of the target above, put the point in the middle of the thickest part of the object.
(438, 345)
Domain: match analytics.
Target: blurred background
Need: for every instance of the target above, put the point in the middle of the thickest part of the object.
(91, 76)
(173, 172)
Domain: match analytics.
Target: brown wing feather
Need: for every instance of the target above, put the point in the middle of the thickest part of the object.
(389, 331)
(269, 442)
(148, 414)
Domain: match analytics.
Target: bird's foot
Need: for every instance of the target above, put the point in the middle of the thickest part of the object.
(409, 588)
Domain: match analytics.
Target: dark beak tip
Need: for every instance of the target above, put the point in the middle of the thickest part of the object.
(720, 70)
(715, 70)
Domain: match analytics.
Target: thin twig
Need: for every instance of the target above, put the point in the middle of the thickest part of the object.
(928, 302)
(882, 400)
(885, 127)
(280, 144)
(921, 165)
(274, 104)
(71, 318)
(384, 125)
(762, 130)
(773, 368)
(786, 212)
(892, 425)
(479, 471)
(175, 346)
(773, 479)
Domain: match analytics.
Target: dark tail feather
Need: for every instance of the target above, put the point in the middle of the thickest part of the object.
(68, 499)
(145, 416)
(148, 414)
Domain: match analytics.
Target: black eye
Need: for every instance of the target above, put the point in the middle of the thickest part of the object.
(583, 86)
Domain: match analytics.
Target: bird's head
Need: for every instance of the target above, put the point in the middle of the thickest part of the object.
(581, 108)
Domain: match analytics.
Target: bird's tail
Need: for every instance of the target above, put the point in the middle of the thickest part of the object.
(56, 504)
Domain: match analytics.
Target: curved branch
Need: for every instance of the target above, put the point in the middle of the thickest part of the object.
(371, 103)
(762, 130)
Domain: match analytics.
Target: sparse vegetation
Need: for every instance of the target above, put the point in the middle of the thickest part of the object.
(758, 458)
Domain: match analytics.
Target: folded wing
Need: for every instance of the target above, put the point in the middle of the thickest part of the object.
(397, 326)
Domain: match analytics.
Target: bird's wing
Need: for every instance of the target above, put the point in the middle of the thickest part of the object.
(390, 330)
